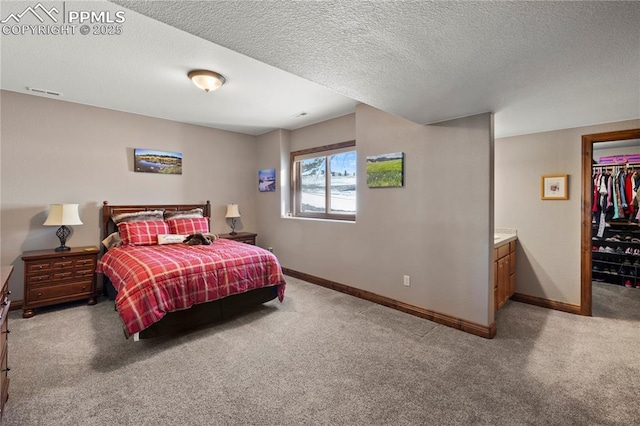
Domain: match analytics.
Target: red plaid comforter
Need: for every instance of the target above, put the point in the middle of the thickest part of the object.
(154, 280)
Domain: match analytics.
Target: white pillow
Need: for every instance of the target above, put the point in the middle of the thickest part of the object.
(170, 238)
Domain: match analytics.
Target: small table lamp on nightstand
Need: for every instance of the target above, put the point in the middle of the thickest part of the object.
(63, 215)
(232, 213)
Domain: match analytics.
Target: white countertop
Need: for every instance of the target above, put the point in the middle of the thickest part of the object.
(503, 236)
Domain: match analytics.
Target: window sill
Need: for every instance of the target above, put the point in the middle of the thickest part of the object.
(317, 219)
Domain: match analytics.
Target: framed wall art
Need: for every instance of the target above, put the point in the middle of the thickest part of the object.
(267, 180)
(154, 161)
(554, 187)
(385, 170)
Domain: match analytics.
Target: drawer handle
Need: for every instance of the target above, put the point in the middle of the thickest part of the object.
(40, 266)
(9, 292)
(8, 331)
(84, 287)
(39, 294)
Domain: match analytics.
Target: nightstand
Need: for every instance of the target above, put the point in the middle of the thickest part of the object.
(243, 237)
(52, 277)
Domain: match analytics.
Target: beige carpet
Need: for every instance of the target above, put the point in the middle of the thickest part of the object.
(325, 358)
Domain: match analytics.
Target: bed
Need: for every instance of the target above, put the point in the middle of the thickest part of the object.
(170, 287)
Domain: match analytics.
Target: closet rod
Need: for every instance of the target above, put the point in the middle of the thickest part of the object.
(617, 164)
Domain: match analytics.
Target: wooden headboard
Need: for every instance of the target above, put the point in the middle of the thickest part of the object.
(108, 210)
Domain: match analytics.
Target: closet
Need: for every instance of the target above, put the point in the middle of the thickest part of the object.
(615, 230)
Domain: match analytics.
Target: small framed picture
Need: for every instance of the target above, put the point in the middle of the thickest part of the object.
(385, 170)
(267, 180)
(554, 187)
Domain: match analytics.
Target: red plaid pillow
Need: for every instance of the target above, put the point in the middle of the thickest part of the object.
(189, 226)
(142, 233)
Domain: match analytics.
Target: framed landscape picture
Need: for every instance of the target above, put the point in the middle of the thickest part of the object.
(267, 180)
(385, 170)
(154, 161)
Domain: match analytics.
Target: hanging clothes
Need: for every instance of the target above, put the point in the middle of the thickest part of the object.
(595, 177)
(623, 199)
(615, 190)
(628, 192)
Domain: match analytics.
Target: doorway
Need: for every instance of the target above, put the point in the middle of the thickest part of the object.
(587, 203)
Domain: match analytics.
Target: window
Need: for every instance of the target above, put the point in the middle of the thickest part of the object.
(324, 182)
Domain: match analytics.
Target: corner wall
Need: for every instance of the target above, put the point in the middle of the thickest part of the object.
(60, 152)
(548, 250)
(438, 228)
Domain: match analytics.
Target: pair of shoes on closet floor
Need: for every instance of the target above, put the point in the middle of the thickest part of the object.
(627, 283)
(628, 272)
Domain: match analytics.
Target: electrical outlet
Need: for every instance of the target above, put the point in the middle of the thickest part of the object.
(407, 281)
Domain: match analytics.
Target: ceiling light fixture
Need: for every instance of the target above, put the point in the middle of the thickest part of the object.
(206, 80)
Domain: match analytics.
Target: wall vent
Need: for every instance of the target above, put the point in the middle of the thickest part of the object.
(44, 91)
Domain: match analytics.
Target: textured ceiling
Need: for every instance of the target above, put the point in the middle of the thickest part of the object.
(537, 65)
(144, 71)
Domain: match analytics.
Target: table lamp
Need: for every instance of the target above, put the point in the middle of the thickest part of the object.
(63, 215)
(233, 214)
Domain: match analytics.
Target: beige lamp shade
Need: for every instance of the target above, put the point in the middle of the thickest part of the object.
(232, 211)
(63, 214)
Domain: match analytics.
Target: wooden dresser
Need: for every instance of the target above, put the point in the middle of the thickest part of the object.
(52, 277)
(4, 332)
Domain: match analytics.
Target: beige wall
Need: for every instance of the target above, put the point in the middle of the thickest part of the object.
(548, 254)
(60, 152)
(437, 228)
